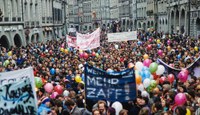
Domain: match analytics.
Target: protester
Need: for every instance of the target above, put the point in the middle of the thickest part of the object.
(63, 67)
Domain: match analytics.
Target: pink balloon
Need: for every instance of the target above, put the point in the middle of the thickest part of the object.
(162, 79)
(147, 62)
(185, 71)
(48, 87)
(170, 78)
(183, 76)
(168, 42)
(85, 55)
(93, 54)
(150, 39)
(81, 55)
(53, 95)
(160, 52)
(180, 99)
(58, 89)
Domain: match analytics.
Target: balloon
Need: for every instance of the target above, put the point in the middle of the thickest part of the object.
(53, 95)
(38, 82)
(78, 79)
(5, 64)
(58, 89)
(170, 78)
(145, 94)
(48, 87)
(158, 45)
(147, 62)
(66, 51)
(130, 65)
(153, 84)
(52, 71)
(188, 112)
(85, 55)
(158, 41)
(109, 70)
(180, 99)
(147, 74)
(138, 79)
(97, 54)
(117, 106)
(155, 76)
(196, 48)
(149, 47)
(66, 93)
(183, 76)
(61, 49)
(116, 46)
(80, 51)
(81, 55)
(160, 52)
(146, 82)
(153, 67)
(156, 90)
(145, 56)
(162, 79)
(139, 66)
(160, 70)
(93, 54)
(139, 42)
(168, 42)
(168, 48)
(10, 53)
(179, 56)
(185, 71)
(140, 87)
(145, 68)
(150, 39)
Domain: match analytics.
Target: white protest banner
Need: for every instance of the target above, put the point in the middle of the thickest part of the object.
(123, 36)
(17, 76)
(18, 98)
(88, 41)
(71, 41)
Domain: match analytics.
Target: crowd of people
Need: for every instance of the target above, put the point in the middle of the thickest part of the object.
(177, 50)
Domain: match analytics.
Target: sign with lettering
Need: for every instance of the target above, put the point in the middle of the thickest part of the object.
(122, 36)
(9, 85)
(114, 86)
(17, 98)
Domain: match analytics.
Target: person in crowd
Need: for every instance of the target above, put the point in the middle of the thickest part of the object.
(44, 107)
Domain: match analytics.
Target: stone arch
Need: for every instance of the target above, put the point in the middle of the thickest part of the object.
(177, 19)
(4, 42)
(144, 26)
(27, 40)
(166, 21)
(37, 37)
(152, 24)
(139, 25)
(17, 40)
(32, 39)
(148, 24)
(182, 21)
(198, 24)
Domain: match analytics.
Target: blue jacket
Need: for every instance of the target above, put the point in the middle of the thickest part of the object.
(43, 108)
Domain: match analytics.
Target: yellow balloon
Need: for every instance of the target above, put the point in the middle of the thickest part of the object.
(78, 79)
(168, 48)
(196, 48)
(81, 51)
(145, 56)
(158, 41)
(66, 51)
(188, 112)
(10, 53)
(61, 49)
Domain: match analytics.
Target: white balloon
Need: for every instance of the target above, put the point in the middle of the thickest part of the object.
(140, 87)
(160, 70)
(146, 82)
(139, 66)
(145, 94)
(116, 46)
(117, 106)
(65, 93)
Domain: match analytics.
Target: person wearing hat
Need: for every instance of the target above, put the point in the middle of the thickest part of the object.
(44, 107)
